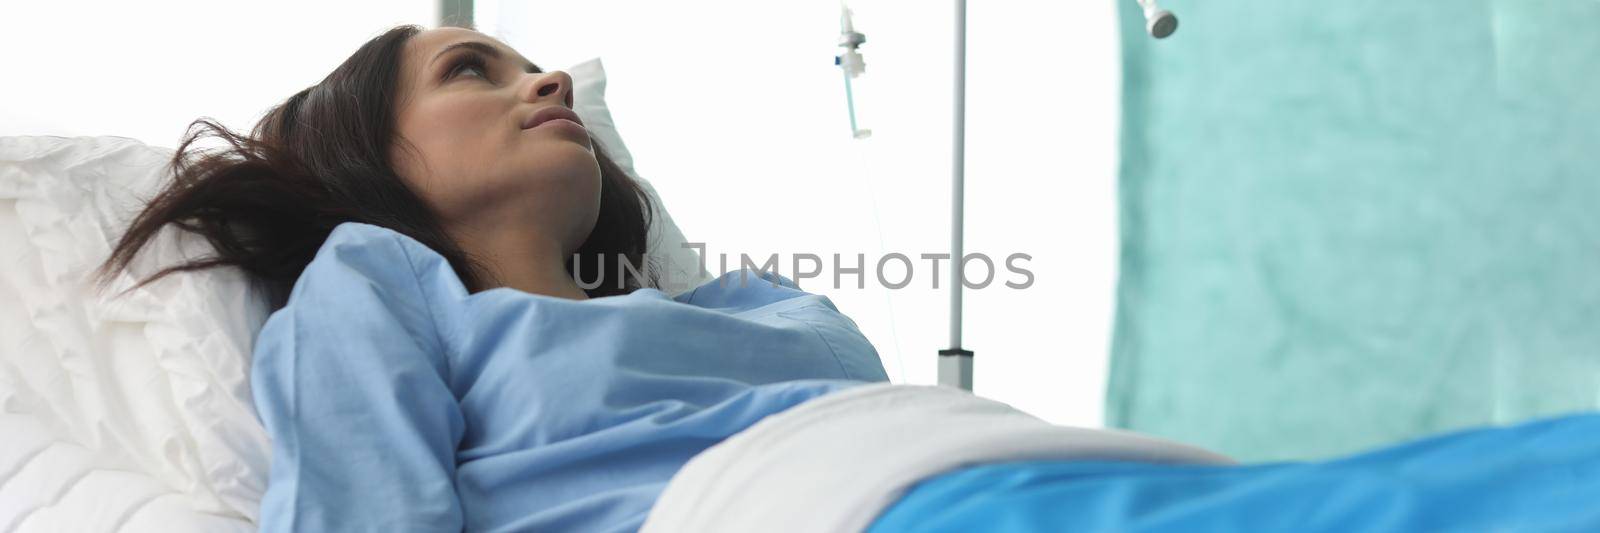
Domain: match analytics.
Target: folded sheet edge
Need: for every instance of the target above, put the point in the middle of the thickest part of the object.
(837, 461)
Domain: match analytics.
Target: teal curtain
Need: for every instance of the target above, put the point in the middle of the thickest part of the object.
(1350, 223)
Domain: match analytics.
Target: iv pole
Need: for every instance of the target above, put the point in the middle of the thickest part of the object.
(955, 363)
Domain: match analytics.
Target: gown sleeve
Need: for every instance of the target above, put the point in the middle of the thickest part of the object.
(351, 380)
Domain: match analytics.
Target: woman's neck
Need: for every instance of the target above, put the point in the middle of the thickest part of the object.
(524, 262)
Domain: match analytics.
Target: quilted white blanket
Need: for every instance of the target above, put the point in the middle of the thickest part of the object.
(836, 462)
(116, 414)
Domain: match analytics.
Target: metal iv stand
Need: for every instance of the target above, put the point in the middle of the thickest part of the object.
(955, 362)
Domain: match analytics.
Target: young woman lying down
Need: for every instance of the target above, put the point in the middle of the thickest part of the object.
(453, 348)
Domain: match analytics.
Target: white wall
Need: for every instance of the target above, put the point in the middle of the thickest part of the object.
(735, 111)
(145, 69)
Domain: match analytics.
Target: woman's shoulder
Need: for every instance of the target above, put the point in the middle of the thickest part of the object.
(769, 296)
(358, 250)
(749, 290)
(360, 257)
(742, 289)
(359, 299)
(358, 239)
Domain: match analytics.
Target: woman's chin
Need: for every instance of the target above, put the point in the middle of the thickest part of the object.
(561, 145)
(567, 158)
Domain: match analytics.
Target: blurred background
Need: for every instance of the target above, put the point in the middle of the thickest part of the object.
(1289, 230)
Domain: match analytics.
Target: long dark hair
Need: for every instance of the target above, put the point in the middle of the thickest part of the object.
(267, 201)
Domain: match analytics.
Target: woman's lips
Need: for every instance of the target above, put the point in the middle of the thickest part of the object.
(553, 113)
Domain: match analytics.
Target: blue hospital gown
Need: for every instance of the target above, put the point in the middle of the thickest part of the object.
(398, 402)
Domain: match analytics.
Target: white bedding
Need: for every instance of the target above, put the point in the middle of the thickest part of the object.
(129, 414)
(834, 463)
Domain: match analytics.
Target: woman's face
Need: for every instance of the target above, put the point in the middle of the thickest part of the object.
(463, 101)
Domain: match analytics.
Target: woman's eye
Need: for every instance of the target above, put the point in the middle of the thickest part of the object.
(470, 65)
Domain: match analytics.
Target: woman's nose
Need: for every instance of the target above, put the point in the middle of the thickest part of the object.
(555, 85)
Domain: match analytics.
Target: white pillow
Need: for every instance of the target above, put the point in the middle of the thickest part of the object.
(680, 267)
(135, 413)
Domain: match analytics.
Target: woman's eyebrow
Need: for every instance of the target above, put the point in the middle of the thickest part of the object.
(482, 47)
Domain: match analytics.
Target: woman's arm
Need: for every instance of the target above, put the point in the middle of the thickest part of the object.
(351, 381)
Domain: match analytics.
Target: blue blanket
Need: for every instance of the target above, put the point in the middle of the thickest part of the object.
(1537, 476)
